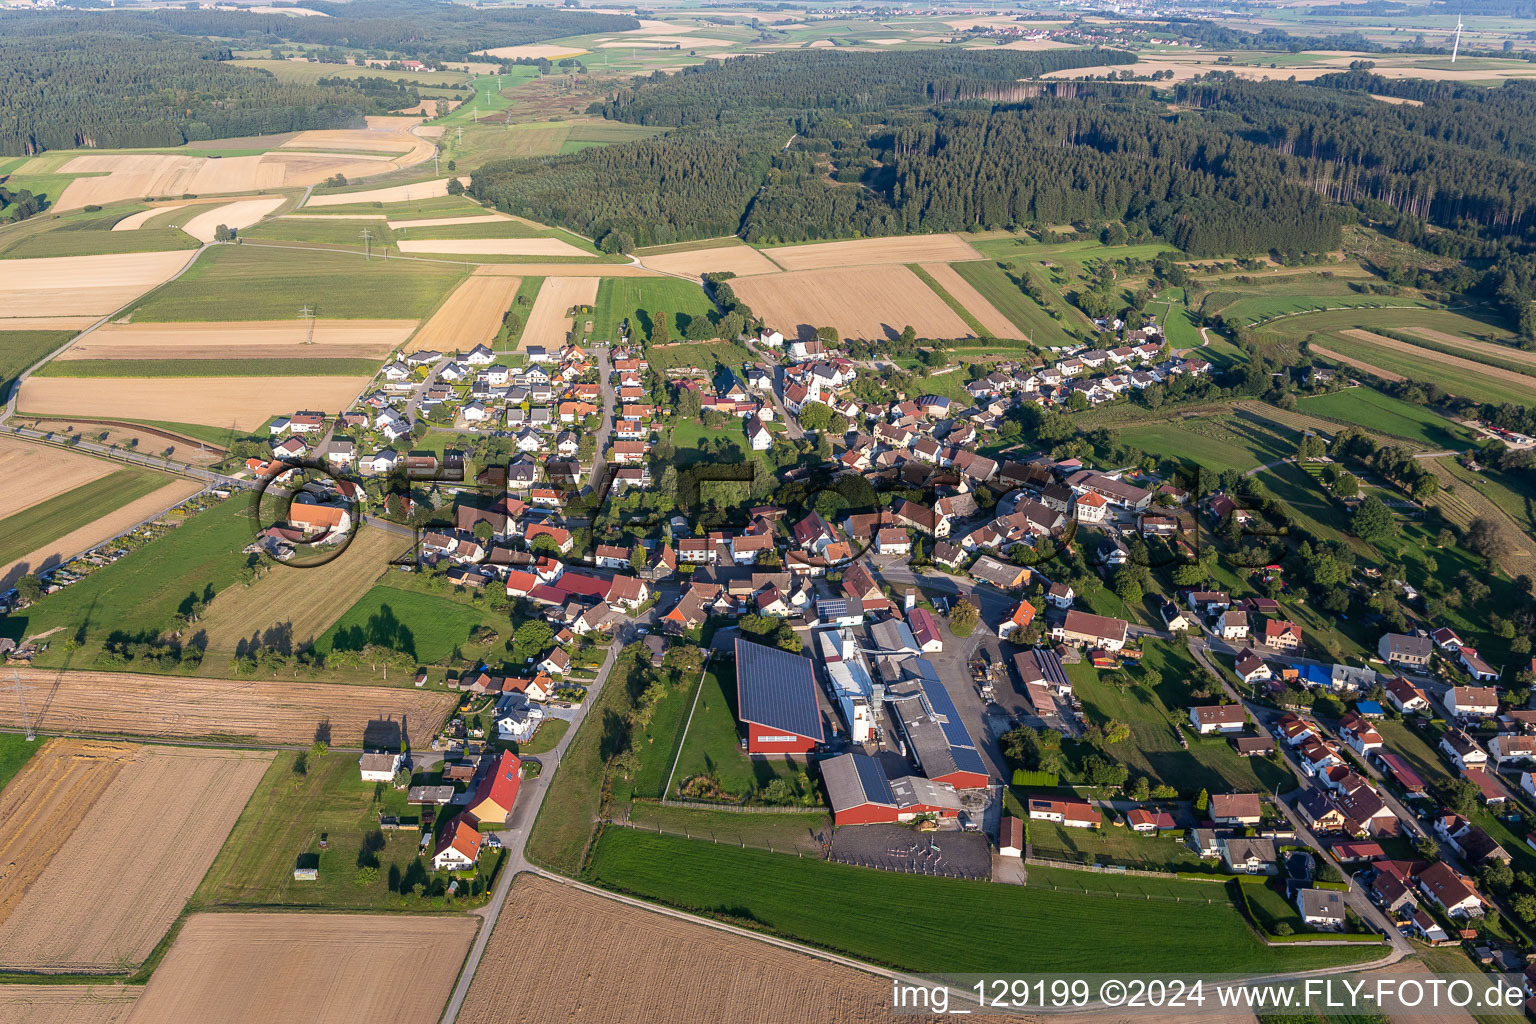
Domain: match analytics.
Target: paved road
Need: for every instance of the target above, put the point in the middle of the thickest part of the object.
(421, 390)
(605, 430)
(514, 838)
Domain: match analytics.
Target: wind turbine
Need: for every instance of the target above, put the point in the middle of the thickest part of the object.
(1457, 44)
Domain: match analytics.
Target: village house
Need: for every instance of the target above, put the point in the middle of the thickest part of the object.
(1236, 809)
(1282, 634)
(1400, 649)
(1406, 697)
(1218, 718)
(1471, 701)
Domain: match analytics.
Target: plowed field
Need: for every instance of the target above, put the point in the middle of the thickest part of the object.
(471, 316)
(548, 322)
(242, 402)
(47, 472)
(873, 251)
(868, 302)
(245, 339)
(66, 1004)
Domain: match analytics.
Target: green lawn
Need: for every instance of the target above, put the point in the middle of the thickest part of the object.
(250, 282)
(704, 354)
(657, 743)
(790, 830)
(99, 243)
(490, 95)
(426, 627)
(43, 523)
(713, 744)
(20, 349)
(1113, 844)
(1494, 385)
(282, 826)
(1384, 414)
(637, 298)
(1203, 441)
(327, 232)
(210, 368)
(942, 925)
(1403, 739)
(15, 749)
(142, 591)
(411, 209)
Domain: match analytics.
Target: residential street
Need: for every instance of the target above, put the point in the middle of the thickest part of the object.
(605, 430)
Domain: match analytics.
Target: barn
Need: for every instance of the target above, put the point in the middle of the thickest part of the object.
(493, 797)
(776, 700)
(862, 794)
(935, 734)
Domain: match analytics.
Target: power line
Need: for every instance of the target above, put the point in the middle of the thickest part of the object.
(308, 316)
(367, 237)
(21, 702)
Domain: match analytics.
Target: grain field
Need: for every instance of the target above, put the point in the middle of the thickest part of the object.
(563, 270)
(974, 302)
(246, 339)
(335, 968)
(868, 302)
(244, 403)
(741, 260)
(306, 602)
(548, 323)
(41, 806)
(391, 194)
(862, 252)
(120, 880)
(66, 1004)
(134, 221)
(77, 286)
(40, 472)
(236, 216)
(492, 246)
(470, 316)
(562, 955)
(262, 710)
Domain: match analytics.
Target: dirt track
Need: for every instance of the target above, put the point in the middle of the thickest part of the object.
(259, 710)
(281, 968)
(105, 900)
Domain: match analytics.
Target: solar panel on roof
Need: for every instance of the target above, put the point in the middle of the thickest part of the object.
(877, 788)
(947, 715)
(968, 760)
(776, 689)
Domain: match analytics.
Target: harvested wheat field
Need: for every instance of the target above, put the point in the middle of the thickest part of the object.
(47, 471)
(102, 902)
(868, 302)
(336, 968)
(246, 339)
(562, 954)
(46, 323)
(56, 286)
(493, 246)
(533, 51)
(116, 177)
(741, 260)
(562, 270)
(1486, 348)
(236, 216)
(254, 710)
(874, 251)
(66, 1004)
(242, 402)
(433, 222)
(343, 139)
(308, 601)
(122, 517)
(471, 315)
(392, 194)
(134, 221)
(1358, 364)
(1498, 373)
(41, 806)
(974, 302)
(547, 321)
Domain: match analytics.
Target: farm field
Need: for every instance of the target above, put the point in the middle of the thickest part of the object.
(951, 925)
(229, 710)
(62, 243)
(636, 300)
(548, 322)
(563, 270)
(44, 802)
(492, 247)
(1477, 381)
(303, 71)
(347, 968)
(243, 403)
(67, 1004)
(235, 216)
(470, 316)
(102, 902)
(426, 627)
(992, 320)
(82, 285)
(141, 219)
(64, 526)
(437, 188)
(1032, 320)
(269, 367)
(15, 751)
(874, 303)
(741, 260)
(873, 251)
(252, 282)
(48, 471)
(1384, 414)
(109, 178)
(301, 604)
(253, 339)
(560, 953)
